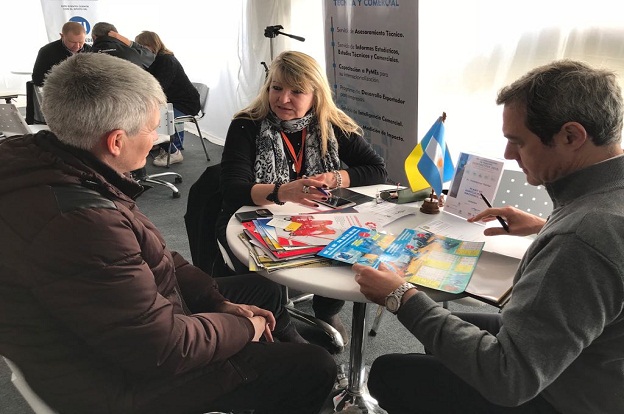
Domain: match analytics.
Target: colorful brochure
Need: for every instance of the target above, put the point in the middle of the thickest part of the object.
(422, 257)
(318, 229)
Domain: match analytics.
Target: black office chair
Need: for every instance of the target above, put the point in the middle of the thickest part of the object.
(34, 97)
(202, 209)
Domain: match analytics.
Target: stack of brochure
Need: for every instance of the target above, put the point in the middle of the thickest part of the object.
(293, 240)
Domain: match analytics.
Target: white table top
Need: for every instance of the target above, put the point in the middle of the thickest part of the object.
(9, 95)
(335, 281)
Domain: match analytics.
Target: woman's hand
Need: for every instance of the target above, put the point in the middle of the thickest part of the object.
(305, 191)
(376, 284)
(520, 222)
(262, 320)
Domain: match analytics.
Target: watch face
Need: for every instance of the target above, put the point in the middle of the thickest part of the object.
(392, 303)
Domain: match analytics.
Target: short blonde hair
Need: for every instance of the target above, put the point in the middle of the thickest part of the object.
(299, 71)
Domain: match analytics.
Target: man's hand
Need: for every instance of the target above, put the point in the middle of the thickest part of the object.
(376, 284)
(262, 320)
(122, 38)
(520, 222)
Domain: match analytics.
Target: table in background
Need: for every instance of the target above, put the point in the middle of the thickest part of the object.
(335, 282)
(8, 96)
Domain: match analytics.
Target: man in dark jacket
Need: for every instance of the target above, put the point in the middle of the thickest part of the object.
(72, 41)
(99, 315)
(106, 39)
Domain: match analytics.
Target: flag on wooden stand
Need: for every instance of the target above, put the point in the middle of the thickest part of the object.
(430, 164)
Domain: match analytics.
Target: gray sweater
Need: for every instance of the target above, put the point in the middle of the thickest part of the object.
(562, 331)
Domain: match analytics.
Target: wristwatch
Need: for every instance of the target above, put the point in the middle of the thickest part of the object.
(273, 195)
(393, 300)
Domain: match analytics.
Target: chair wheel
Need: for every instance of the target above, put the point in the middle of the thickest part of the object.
(178, 180)
(176, 195)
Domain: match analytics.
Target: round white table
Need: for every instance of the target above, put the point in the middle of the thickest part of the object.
(335, 282)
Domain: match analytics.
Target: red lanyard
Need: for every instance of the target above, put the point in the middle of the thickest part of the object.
(297, 158)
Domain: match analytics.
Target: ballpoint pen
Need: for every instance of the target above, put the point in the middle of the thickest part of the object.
(324, 191)
(499, 218)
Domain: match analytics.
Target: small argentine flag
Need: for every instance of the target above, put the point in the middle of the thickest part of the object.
(430, 164)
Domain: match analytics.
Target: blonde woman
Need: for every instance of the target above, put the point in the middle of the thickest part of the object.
(291, 139)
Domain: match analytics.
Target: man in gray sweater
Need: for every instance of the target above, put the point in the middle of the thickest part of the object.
(558, 345)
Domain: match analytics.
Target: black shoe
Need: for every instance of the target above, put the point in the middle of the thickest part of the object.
(290, 334)
(337, 324)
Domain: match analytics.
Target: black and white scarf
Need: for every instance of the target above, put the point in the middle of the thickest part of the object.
(272, 164)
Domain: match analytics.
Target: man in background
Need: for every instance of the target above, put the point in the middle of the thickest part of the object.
(72, 41)
(106, 39)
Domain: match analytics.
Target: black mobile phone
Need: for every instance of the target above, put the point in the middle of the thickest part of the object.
(245, 216)
(336, 202)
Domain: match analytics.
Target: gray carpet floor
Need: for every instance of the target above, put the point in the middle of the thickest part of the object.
(168, 215)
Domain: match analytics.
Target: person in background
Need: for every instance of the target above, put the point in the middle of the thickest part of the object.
(72, 41)
(96, 312)
(558, 345)
(290, 140)
(177, 87)
(106, 39)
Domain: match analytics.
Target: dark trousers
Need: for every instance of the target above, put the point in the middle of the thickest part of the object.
(417, 383)
(252, 289)
(291, 378)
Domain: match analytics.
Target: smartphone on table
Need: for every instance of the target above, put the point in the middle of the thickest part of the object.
(336, 202)
(245, 216)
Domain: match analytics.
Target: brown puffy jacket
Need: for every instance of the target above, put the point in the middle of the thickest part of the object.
(92, 308)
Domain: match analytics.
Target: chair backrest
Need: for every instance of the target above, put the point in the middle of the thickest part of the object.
(34, 97)
(11, 121)
(203, 207)
(166, 126)
(203, 90)
(516, 192)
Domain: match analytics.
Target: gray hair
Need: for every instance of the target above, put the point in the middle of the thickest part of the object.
(90, 94)
(568, 91)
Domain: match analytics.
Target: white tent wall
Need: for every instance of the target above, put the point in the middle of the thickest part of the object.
(468, 50)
